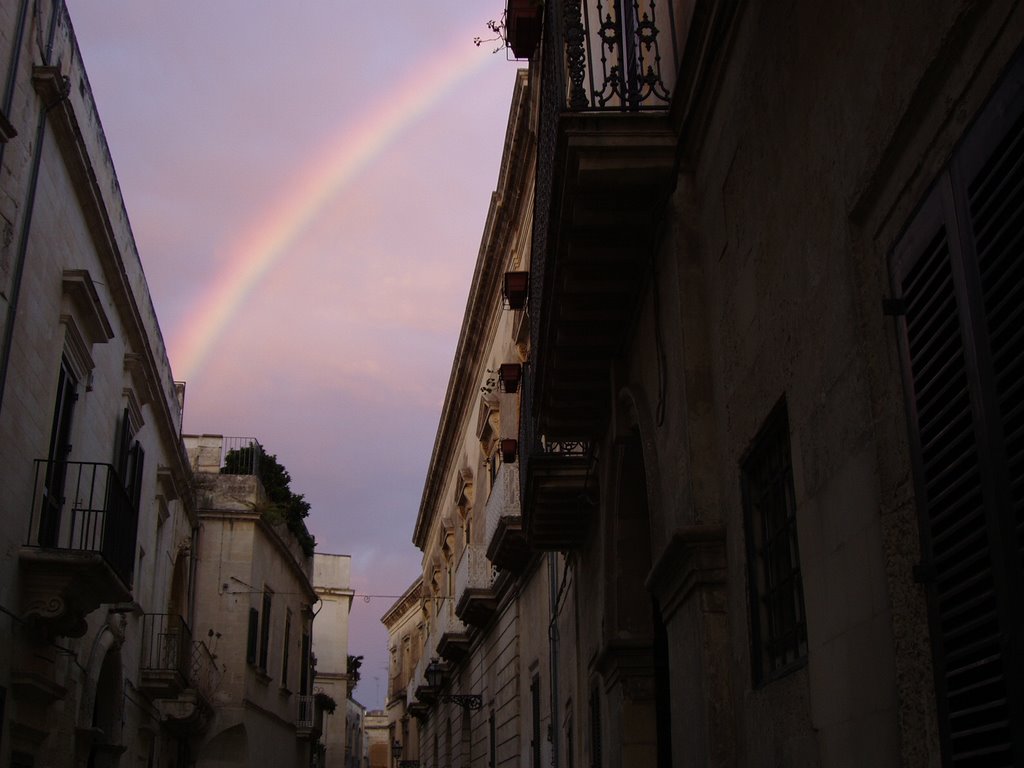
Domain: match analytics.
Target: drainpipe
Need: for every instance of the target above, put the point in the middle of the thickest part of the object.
(553, 652)
(30, 198)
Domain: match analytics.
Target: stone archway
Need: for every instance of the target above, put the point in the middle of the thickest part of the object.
(633, 662)
(103, 736)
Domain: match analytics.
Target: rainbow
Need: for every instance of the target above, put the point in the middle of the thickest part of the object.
(259, 248)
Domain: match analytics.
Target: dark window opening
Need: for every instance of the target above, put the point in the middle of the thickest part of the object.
(777, 619)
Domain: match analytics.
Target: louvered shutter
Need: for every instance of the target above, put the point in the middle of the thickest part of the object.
(959, 270)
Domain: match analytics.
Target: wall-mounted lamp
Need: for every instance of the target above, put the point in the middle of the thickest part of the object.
(435, 676)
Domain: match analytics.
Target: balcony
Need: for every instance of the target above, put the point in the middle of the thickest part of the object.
(309, 722)
(504, 537)
(606, 167)
(475, 599)
(559, 487)
(188, 713)
(420, 690)
(452, 635)
(166, 655)
(80, 550)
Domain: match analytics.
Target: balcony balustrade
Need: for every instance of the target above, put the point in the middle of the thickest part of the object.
(80, 548)
(620, 55)
(607, 163)
(475, 598)
(309, 719)
(503, 532)
(188, 712)
(166, 662)
(452, 634)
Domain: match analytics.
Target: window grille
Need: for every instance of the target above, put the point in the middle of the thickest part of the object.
(777, 619)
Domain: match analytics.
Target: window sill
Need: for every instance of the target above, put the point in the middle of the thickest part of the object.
(261, 676)
(283, 691)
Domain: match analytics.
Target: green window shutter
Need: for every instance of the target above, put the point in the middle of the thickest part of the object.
(250, 646)
(959, 270)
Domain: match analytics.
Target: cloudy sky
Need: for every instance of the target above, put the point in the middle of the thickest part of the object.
(307, 182)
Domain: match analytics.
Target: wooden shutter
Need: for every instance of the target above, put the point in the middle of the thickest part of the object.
(250, 644)
(960, 272)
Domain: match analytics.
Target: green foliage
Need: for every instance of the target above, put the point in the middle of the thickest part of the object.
(353, 664)
(285, 505)
(325, 702)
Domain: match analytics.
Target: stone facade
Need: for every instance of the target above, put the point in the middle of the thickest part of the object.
(97, 526)
(354, 714)
(767, 461)
(376, 748)
(405, 625)
(762, 569)
(255, 602)
(331, 580)
(485, 602)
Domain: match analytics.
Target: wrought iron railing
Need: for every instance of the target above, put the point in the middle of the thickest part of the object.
(167, 645)
(82, 506)
(204, 674)
(240, 456)
(307, 711)
(474, 571)
(620, 55)
(503, 501)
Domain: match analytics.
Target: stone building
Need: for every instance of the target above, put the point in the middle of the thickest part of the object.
(255, 603)
(376, 749)
(768, 428)
(354, 714)
(331, 581)
(771, 406)
(405, 625)
(97, 528)
(482, 686)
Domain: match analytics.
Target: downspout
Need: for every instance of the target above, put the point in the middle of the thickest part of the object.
(12, 71)
(553, 653)
(30, 199)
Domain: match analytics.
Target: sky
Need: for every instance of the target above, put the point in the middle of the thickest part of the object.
(307, 182)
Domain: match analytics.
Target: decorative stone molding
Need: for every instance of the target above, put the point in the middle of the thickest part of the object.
(464, 488)
(629, 665)
(60, 588)
(82, 297)
(693, 562)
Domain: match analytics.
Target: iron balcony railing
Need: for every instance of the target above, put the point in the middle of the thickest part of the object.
(503, 502)
(307, 711)
(240, 456)
(619, 55)
(81, 506)
(203, 674)
(167, 645)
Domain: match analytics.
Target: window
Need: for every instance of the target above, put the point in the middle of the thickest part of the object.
(958, 275)
(492, 741)
(777, 620)
(265, 630)
(252, 640)
(284, 647)
(60, 447)
(535, 721)
(304, 669)
(129, 459)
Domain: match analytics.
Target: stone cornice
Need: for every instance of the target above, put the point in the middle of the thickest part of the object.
(484, 302)
(53, 89)
(693, 562)
(403, 605)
